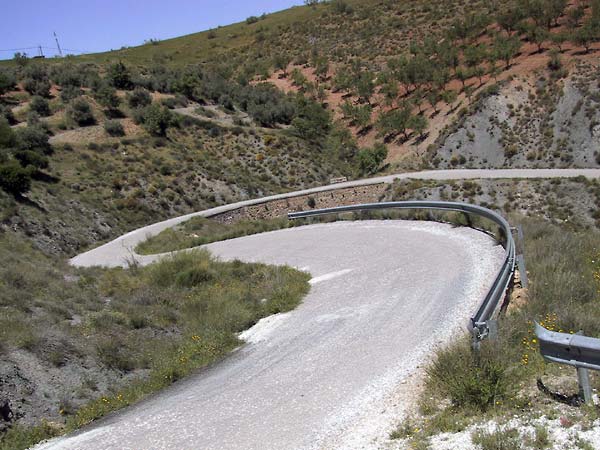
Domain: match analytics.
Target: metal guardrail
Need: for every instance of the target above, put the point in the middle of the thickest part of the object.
(480, 321)
(581, 352)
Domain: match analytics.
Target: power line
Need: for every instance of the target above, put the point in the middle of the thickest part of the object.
(19, 49)
(37, 47)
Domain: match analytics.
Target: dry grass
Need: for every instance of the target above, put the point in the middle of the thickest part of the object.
(152, 325)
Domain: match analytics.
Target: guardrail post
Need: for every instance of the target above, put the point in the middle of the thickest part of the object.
(585, 389)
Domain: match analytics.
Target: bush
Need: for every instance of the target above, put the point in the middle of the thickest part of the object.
(341, 7)
(14, 179)
(118, 76)
(6, 113)
(33, 138)
(175, 102)
(107, 97)
(7, 135)
(157, 119)
(139, 98)
(36, 80)
(37, 87)
(194, 276)
(7, 81)
(31, 158)
(68, 93)
(40, 105)
(80, 112)
(370, 160)
(114, 128)
(468, 381)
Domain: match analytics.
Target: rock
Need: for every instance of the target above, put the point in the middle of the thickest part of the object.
(6, 413)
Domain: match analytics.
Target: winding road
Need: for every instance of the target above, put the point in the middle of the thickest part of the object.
(121, 250)
(340, 370)
(337, 372)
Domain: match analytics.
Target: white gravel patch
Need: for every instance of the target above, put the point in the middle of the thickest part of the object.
(263, 328)
(560, 437)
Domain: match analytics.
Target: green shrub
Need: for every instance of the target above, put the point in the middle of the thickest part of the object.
(467, 380)
(68, 93)
(118, 76)
(114, 128)
(6, 113)
(157, 119)
(7, 81)
(21, 437)
(14, 179)
(33, 138)
(499, 439)
(341, 7)
(139, 98)
(7, 135)
(194, 276)
(107, 97)
(370, 160)
(40, 105)
(80, 112)
(31, 158)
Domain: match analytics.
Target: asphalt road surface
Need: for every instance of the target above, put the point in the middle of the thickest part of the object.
(337, 372)
(121, 250)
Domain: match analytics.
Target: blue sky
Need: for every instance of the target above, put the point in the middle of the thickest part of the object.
(94, 25)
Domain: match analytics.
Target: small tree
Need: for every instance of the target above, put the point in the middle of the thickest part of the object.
(365, 87)
(538, 36)
(157, 119)
(559, 39)
(574, 16)
(418, 123)
(395, 121)
(40, 105)
(449, 96)
(370, 159)
(281, 62)
(509, 18)
(463, 75)
(80, 112)
(554, 9)
(506, 48)
(475, 55)
(584, 37)
(21, 59)
(118, 76)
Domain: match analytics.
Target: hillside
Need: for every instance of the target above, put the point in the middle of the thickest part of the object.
(96, 145)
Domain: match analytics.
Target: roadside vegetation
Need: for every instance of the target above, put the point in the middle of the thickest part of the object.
(112, 337)
(199, 231)
(463, 389)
